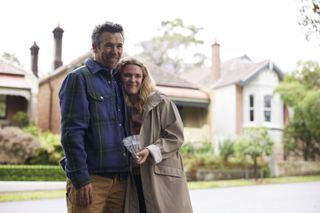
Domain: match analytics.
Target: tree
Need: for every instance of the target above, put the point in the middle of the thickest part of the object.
(309, 18)
(301, 91)
(254, 142)
(174, 49)
(10, 58)
(227, 149)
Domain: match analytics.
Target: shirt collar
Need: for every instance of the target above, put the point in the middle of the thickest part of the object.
(95, 67)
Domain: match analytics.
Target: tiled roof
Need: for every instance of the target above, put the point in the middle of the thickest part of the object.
(13, 81)
(235, 71)
(186, 93)
(12, 77)
(163, 78)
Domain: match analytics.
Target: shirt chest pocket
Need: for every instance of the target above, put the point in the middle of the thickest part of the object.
(102, 107)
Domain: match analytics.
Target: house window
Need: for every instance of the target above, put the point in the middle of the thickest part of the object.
(267, 108)
(251, 108)
(3, 106)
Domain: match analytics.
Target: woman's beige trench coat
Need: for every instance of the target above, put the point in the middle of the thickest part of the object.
(164, 184)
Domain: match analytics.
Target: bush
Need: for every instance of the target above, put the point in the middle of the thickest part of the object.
(227, 150)
(16, 146)
(20, 119)
(31, 173)
(50, 150)
(200, 156)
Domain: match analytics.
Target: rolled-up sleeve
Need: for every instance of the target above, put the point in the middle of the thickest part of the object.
(75, 118)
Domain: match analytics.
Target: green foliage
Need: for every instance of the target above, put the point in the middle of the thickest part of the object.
(10, 58)
(20, 119)
(289, 144)
(31, 173)
(254, 142)
(171, 50)
(300, 91)
(227, 149)
(204, 148)
(50, 151)
(201, 156)
(187, 148)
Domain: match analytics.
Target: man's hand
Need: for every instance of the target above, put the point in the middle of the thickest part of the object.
(84, 195)
(142, 156)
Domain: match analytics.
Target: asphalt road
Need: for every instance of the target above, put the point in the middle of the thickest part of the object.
(275, 198)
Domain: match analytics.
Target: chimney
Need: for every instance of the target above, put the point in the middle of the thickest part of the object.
(34, 58)
(216, 73)
(57, 33)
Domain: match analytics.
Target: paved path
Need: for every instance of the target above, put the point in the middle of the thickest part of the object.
(274, 198)
(19, 186)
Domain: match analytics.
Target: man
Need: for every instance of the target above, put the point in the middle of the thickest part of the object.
(93, 126)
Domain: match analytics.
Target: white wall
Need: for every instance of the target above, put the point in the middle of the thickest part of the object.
(264, 84)
(225, 112)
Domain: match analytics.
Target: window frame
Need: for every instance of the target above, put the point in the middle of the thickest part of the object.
(267, 108)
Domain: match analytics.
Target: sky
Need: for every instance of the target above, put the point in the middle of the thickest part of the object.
(261, 29)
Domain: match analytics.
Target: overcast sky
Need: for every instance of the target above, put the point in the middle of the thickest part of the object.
(262, 29)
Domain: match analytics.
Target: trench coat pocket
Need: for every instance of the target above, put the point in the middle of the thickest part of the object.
(168, 171)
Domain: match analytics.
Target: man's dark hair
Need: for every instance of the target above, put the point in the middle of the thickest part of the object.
(106, 27)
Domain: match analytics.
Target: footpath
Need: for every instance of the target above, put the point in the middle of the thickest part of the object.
(22, 186)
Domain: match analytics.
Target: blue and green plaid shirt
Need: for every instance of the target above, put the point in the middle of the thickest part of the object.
(92, 123)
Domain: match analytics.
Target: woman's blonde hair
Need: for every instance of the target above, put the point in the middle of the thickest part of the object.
(147, 84)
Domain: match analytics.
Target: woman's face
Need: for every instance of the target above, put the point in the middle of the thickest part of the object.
(131, 78)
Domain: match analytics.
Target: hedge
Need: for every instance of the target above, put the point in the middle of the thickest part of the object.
(31, 173)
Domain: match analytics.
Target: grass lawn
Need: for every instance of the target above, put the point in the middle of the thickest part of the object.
(4, 197)
(242, 182)
(15, 196)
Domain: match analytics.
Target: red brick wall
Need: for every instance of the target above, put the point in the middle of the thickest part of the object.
(45, 92)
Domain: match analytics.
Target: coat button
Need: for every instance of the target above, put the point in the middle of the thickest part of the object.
(101, 97)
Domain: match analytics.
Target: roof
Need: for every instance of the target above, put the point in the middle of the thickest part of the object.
(8, 68)
(13, 77)
(238, 71)
(66, 68)
(164, 78)
(13, 81)
(186, 96)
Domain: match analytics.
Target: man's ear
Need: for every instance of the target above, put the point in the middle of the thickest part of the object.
(94, 47)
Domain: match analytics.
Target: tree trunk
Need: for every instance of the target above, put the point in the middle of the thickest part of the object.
(255, 168)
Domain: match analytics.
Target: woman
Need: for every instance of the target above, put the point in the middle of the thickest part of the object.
(157, 182)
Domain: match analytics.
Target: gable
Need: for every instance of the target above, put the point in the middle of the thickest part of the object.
(266, 77)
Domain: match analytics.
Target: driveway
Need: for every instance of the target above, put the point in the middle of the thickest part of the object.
(274, 198)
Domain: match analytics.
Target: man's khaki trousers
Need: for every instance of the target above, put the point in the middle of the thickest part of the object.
(108, 196)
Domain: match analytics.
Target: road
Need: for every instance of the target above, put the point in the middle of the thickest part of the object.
(273, 198)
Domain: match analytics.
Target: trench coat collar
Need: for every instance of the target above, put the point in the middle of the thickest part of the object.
(153, 100)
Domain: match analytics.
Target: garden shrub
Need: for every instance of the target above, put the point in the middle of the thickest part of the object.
(50, 151)
(16, 146)
(31, 173)
(20, 119)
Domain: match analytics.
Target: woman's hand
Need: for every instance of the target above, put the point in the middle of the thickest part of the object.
(142, 156)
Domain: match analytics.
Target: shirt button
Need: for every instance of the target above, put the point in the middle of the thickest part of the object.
(101, 97)
(119, 110)
(109, 82)
(124, 154)
(120, 124)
